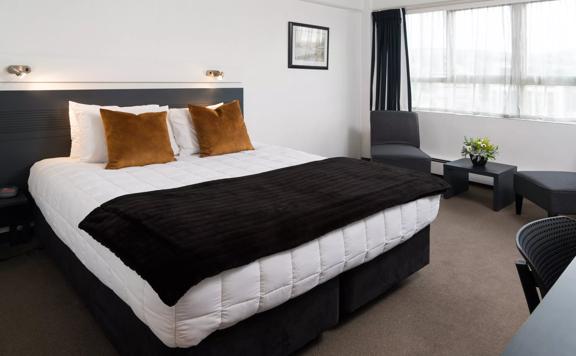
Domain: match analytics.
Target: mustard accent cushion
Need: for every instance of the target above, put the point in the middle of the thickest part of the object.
(136, 140)
(221, 130)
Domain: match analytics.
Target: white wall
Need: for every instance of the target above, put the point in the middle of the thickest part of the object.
(531, 145)
(154, 43)
(357, 5)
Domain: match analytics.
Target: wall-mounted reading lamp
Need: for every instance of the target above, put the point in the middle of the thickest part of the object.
(19, 70)
(215, 74)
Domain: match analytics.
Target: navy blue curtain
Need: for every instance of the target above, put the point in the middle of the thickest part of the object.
(388, 30)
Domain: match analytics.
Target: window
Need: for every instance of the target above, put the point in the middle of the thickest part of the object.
(515, 60)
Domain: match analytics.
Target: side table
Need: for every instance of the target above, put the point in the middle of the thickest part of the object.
(456, 173)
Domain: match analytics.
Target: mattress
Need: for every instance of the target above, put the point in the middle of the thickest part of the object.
(67, 190)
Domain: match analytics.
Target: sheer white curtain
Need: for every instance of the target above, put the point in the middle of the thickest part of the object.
(512, 61)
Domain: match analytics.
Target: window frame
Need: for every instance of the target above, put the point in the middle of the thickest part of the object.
(519, 57)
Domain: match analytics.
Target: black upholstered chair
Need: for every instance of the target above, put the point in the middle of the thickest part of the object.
(555, 192)
(395, 140)
(548, 246)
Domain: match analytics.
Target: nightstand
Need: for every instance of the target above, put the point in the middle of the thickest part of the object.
(16, 214)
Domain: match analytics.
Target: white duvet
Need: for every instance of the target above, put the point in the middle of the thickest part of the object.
(67, 190)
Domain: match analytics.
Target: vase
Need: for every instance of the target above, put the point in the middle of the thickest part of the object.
(478, 161)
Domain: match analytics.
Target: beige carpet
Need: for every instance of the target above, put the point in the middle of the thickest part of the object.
(468, 301)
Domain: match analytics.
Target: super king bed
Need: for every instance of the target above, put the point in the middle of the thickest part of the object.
(271, 302)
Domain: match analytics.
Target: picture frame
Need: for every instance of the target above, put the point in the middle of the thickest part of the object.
(308, 46)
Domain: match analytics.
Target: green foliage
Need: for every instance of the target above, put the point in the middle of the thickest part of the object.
(479, 147)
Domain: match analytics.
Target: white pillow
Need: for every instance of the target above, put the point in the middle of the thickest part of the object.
(173, 143)
(74, 110)
(77, 109)
(184, 130)
(87, 130)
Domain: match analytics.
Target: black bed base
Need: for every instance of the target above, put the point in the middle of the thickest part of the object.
(279, 331)
(368, 281)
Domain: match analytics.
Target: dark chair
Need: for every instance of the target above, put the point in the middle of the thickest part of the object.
(395, 140)
(548, 246)
(555, 192)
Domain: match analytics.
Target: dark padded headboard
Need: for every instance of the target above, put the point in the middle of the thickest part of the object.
(34, 123)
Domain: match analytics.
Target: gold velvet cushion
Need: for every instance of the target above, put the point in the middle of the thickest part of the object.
(221, 130)
(136, 140)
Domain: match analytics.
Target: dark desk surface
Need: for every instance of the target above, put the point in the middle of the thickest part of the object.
(551, 329)
(490, 169)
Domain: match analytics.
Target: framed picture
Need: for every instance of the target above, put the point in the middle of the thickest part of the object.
(307, 46)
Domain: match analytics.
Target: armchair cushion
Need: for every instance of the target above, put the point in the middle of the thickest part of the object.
(405, 156)
(399, 151)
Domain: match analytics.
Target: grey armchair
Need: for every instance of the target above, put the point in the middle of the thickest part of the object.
(395, 140)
